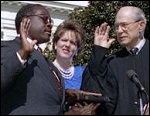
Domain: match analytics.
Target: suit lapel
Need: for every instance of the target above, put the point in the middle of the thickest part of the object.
(44, 67)
(61, 80)
(53, 68)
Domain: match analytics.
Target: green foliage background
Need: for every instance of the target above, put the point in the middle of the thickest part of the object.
(93, 15)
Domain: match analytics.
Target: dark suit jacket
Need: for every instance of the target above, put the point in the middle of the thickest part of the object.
(30, 89)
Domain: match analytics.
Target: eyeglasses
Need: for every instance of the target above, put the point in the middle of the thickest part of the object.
(44, 18)
(124, 26)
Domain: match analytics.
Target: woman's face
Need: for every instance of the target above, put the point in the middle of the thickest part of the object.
(66, 46)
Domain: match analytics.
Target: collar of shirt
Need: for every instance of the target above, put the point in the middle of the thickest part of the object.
(139, 45)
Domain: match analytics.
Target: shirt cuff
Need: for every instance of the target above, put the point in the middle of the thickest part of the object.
(20, 59)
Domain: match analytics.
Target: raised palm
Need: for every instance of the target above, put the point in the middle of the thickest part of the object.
(24, 28)
(101, 37)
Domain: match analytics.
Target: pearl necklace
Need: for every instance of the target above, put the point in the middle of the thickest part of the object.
(66, 73)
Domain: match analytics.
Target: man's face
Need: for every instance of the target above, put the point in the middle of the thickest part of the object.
(41, 25)
(127, 29)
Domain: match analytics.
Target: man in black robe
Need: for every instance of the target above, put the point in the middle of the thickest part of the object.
(108, 74)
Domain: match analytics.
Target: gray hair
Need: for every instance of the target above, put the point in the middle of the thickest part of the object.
(139, 14)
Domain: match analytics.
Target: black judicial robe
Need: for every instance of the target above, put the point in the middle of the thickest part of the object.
(108, 76)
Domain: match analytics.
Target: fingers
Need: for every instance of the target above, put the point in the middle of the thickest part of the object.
(89, 108)
(110, 41)
(107, 29)
(26, 46)
(95, 106)
(33, 42)
(90, 93)
(85, 103)
(101, 37)
(84, 109)
(103, 29)
(71, 92)
(97, 30)
(24, 27)
(79, 105)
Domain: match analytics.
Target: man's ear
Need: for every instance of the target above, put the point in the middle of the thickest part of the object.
(142, 25)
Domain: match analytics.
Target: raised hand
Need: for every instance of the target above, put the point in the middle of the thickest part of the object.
(101, 37)
(26, 47)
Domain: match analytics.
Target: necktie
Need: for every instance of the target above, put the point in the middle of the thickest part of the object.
(59, 86)
(133, 51)
(40, 49)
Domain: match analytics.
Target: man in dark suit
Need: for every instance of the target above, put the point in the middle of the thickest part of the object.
(30, 85)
